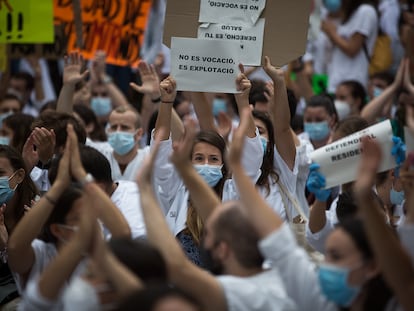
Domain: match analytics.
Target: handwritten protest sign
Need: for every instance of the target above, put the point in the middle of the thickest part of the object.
(250, 39)
(116, 27)
(237, 12)
(286, 26)
(204, 65)
(339, 161)
(28, 21)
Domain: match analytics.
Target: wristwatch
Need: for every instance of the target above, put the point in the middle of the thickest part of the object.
(86, 180)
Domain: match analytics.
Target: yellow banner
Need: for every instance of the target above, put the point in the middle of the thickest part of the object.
(26, 21)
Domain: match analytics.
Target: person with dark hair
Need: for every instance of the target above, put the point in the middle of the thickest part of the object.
(94, 130)
(15, 130)
(319, 119)
(17, 192)
(349, 279)
(350, 98)
(207, 156)
(9, 105)
(159, 298)
(123, 193)
(60, 208)
(22, 84)
(229, 239)
(352, 40)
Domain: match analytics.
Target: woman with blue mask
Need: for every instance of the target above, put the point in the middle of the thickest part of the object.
(17, 191)
(319, 118)
(207, 157)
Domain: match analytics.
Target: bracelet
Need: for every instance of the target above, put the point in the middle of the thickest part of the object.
(49, 199)
(168, 102)
(86, 180)
(156, 100)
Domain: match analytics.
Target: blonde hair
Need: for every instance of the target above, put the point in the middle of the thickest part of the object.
(194, 224)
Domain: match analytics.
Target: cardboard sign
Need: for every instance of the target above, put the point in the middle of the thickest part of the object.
(204, 65)
(116, 27)
(237, 12)
(26, 21)
(339, 161)
(250, 39)
(286, 26)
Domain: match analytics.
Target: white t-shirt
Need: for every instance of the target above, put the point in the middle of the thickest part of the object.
(126, 198)
(44, 253)
(262, 292)
(132, 168)
(172, 193)
(342, 67)
(298, 273)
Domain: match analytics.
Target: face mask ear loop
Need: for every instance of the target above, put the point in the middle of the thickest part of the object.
(11, 176)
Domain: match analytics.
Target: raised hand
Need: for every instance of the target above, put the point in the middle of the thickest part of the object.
(150, 81)
(168, 90)
(29, 153)
(72, 69)
(4, 235)
(99, 66)
(181, 154)
(243, 84)
(76, 168)
(144, 177)
(45, 142)
(275, 73)
(63, 175)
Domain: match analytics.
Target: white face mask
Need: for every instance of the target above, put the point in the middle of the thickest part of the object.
(343, 109)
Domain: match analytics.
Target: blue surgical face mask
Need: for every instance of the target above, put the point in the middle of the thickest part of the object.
(396, 197)
(4, 140)
(210, 173)
(332, 6)
(101, 106)
(317, 130)
(6, 193)
(333, 281)
(219, 105)
(376, 91)
(4, 116)
(264, 143)
(122, 142)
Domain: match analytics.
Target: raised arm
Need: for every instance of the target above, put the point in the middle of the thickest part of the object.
(168, 93)
(203, 110)
(152, 98)
(181, 271)
(242, 99)
(397, 269)
(72, 74)
(21, 254)
(280, 112)
(375, 108)
(110, 215)
(203, 198)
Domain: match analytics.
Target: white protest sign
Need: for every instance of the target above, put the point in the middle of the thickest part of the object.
(204, 65)
(409, 139)
(339, 161)
(238, 12)
(250, 39)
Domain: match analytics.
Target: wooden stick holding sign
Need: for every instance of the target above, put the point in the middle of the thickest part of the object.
(77, 13)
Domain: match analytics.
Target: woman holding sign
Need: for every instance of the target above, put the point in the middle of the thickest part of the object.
(208, 156)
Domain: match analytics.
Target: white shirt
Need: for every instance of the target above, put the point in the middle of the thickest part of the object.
(288, 178)
(132, 168)
(40, 178)
(297, 271)
(342, 67)
(126, 198)
(173, 194)
(262, 292)
(44, 253)
(317, 239)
